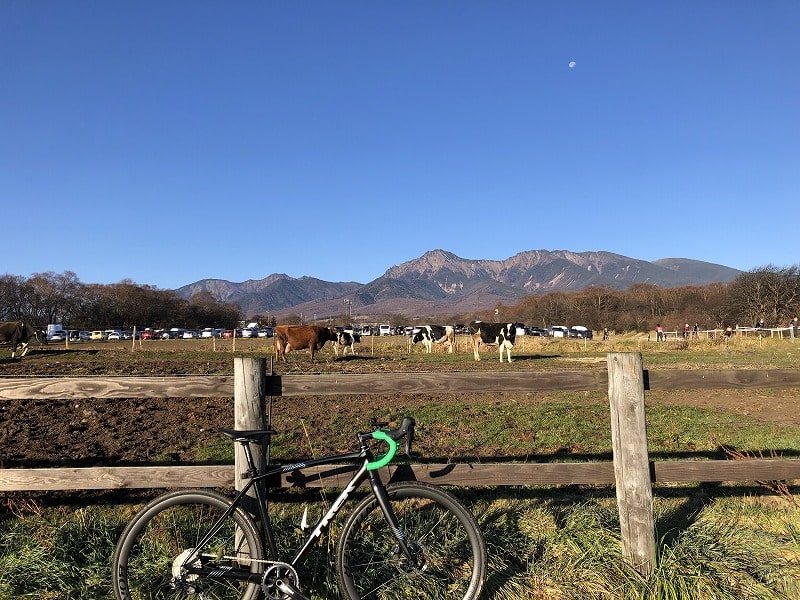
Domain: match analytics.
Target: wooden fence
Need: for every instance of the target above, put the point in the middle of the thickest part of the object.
(631, 471)
(707, 334)
(477, 474)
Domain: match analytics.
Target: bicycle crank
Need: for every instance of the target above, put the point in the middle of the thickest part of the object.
(280, 582)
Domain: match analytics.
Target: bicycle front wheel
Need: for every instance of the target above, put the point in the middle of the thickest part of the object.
(448, 551)
(157, 557)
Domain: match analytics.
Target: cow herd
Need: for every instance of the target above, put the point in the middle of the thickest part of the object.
(314, 337)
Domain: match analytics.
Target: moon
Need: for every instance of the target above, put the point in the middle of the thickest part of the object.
(572, 64)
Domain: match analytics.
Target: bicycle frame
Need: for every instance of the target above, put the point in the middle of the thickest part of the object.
(367, 470)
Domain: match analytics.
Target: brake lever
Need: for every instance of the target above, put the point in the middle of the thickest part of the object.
(409, 424)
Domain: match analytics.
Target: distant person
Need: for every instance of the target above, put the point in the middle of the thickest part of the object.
(605, 333)
(686, 331)
(695, 330)
(793, 328)
(760, 328)
(659, 333)
(728, 331)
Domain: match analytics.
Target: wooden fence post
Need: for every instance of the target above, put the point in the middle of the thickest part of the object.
(249, 391)
(631, 460)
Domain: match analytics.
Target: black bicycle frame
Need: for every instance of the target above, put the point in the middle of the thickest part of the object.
(378, 490)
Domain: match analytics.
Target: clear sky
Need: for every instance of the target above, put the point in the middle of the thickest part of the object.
(171, 141)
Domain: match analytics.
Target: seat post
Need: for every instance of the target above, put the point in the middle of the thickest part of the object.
(248, 454)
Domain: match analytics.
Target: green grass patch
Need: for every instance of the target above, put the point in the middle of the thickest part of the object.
(569, 427)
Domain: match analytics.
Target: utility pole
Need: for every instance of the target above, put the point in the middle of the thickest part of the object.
(348, 311)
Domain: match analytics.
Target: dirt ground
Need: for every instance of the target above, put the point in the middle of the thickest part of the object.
(62, 433)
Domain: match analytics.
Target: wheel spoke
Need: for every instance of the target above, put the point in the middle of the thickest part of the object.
(446, 551)
(158, 558)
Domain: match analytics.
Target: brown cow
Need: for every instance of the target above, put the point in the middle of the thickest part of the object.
(298, 337)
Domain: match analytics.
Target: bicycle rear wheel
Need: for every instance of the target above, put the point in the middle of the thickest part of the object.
(148, 559)
(450, 553)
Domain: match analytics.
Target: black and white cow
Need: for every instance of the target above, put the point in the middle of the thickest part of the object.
(501, 334)
(346, 339)
(20, 333)
(439, 334)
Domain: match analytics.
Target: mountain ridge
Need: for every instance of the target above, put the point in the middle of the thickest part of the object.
(440, 282)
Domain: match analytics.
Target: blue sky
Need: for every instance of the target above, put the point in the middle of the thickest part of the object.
(171, 141)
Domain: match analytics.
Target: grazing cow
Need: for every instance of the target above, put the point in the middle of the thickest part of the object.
(20, 333)
(439, 334)
(346, 339)
(298, 337)
(502, 334)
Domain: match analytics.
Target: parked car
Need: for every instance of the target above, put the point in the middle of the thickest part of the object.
(97, 335)
(174, 333)
(579, 331)
(114, 336)
(227, 333)
(190, 334)
(558, 331)
(57, 335)
(208, 332)
(537, 331)
(266, 332)
(385, 329)
(249, 332)
(147, 334)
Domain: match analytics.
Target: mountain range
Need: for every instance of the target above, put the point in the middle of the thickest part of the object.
(441, 283)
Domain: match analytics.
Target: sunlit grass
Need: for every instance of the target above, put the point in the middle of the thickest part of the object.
(543, 544)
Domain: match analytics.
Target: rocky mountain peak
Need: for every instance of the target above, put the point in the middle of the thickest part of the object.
(442, 282)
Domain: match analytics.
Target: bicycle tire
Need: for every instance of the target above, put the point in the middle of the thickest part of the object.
(142, 565)
(451, 549)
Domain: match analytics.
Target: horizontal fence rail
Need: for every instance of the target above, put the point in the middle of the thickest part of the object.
(457, 474)
(461, 474)
(205, 386)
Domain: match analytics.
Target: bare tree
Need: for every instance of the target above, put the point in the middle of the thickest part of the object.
(51, 296)
(11, 298)
(770, 293)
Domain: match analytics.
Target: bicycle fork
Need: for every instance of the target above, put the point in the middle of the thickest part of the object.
(382, 496)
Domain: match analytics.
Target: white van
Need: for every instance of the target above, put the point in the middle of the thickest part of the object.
(385, 330)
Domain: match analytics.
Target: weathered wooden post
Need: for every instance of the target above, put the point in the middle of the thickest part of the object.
(631, 460)
(249, 391)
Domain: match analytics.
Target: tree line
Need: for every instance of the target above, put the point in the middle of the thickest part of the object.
(768, 293)
(61, 298)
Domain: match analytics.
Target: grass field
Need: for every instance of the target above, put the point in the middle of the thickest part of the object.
(716, 541)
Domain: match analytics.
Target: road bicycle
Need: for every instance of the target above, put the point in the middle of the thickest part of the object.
(403, 540)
